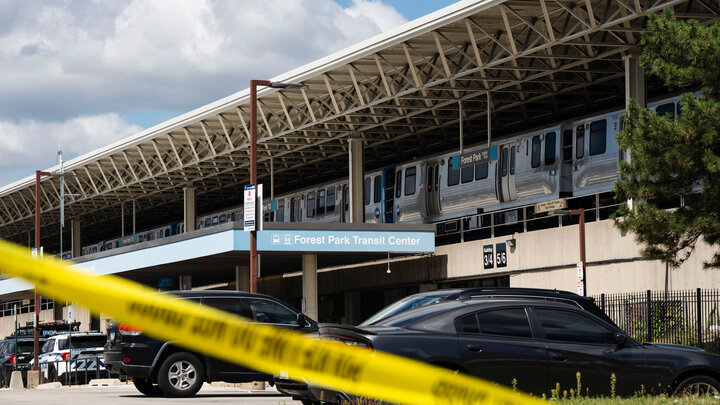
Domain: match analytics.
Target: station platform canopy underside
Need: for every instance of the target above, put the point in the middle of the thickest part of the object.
(211, 255)
(522, 63)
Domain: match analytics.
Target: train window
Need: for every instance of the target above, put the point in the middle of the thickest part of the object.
(294, 214)
(549, 148)
(280, 215)
(481, 171)
(223, 218)
(377, 190)
(215, 220)
(346, 198)
(430, 178)
(453, 174)
(512, 160)
(159, 234)
(598, 136)
(321, 202)
(398, 184)
(466, 174)
(366, 191)
(504, 162)
(666, 109)
(310, 206)
(535, 158)
(208, 222)
(167, 232)
(567, 145)
(410, 176)
(330, 203)
(580, 141)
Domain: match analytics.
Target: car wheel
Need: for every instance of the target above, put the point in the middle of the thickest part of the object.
(698, 385)
(147, 387)
(181, 375)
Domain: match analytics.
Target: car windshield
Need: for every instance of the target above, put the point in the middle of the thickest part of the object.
(402, 305)
(414, 315)
(83, 342)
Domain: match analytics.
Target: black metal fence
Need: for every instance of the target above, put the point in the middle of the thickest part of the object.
(685, 317)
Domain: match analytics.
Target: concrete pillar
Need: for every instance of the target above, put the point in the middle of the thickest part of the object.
(634, 89)
(185, 283)
(634, 78)
(357, 209)
(189, 208)
(352, 308)
(75, 243)
(309, 282)
(242, 278)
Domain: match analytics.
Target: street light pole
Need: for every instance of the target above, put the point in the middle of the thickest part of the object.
(253, 165)
(253, 175)
(36, 332)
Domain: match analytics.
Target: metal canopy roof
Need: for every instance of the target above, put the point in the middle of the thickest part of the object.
(541, 60)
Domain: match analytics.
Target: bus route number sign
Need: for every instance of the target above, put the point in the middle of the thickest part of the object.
(488, 257)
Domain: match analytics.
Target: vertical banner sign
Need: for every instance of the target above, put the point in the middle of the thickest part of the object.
(581, 289)
(488, 257)
(501, 255)
(259, 214)
(249, 207)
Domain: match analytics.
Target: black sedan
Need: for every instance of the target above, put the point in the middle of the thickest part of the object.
(534, 345)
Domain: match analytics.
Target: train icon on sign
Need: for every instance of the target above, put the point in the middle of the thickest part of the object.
(287, 239)
(276, 239)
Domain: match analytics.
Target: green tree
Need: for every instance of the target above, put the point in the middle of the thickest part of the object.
(675, 157)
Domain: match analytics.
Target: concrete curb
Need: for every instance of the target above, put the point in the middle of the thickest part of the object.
(105, 382)
(49, 386)
(16, 381)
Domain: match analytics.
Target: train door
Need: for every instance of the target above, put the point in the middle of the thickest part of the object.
(345, 203)
(295, 212)
(432, 193)
(505, 176)
(566, 162)
(388, 180)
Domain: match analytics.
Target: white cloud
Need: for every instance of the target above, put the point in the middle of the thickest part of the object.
(99, 60)
(30, 145)
(63, 59)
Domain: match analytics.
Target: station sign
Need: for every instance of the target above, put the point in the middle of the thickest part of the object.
(249, 207)
(545, 206)
(346, 241)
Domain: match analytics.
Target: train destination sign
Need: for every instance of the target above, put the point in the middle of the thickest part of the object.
(546, 206)
(477, 157)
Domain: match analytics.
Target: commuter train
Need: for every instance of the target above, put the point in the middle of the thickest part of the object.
(572, 158)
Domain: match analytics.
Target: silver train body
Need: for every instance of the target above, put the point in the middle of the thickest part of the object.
(572, 158)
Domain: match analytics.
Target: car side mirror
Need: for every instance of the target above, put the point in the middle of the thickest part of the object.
(620, 339)
(301, 320)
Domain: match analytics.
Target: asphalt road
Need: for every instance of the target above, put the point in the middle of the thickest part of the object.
(127, 394)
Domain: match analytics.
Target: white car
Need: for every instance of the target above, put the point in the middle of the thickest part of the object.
(71, 358)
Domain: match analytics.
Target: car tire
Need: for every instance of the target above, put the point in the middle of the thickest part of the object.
(147, 387)
(698, 385)
(181, 375)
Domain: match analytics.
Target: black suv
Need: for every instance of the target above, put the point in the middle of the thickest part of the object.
(314, 394)
(162, 368)
(16, 354)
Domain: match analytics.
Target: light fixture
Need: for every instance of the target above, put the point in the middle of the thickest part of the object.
(388, 270)
(511, 242)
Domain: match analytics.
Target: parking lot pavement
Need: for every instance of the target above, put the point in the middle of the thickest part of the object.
(127, 394)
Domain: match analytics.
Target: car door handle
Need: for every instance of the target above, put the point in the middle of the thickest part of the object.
(474, 348)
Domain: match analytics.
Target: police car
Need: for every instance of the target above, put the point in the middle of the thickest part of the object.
(70, 358)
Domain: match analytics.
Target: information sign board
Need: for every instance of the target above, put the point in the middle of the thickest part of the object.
(249, 207)
(546, 206)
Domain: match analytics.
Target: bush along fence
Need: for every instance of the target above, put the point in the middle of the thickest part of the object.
(685, 317)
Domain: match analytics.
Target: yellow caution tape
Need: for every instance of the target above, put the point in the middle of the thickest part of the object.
(261, 347)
